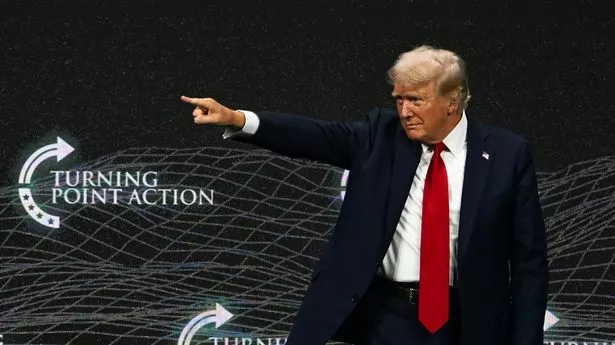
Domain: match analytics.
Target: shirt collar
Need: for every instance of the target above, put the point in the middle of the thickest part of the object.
(456, 139)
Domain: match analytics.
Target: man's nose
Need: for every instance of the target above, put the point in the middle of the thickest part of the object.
(406, 109)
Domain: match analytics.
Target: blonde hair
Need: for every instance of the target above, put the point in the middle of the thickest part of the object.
(424, 64)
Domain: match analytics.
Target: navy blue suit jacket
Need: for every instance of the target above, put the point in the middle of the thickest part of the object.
(502, 264)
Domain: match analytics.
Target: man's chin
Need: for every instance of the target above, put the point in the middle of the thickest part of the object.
(413, 134)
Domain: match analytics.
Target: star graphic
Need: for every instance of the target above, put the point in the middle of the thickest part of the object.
(50, 221)
(40, 215)
(26, 197)
(31, 207)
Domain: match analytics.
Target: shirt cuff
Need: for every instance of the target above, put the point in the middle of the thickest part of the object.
(249, 127)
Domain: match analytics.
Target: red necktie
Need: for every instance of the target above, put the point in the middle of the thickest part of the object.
(435, 253)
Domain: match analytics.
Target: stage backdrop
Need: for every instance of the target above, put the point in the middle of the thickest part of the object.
(121, 222)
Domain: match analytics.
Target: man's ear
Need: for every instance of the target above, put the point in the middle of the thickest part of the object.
(453, 106)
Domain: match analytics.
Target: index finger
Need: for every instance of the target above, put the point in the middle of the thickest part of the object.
(199, 102)
(189, 100)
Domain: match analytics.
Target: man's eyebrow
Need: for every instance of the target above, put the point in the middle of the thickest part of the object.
(408, 96)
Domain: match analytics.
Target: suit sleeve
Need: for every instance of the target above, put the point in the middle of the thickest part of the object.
(528, 261)
(335, 143)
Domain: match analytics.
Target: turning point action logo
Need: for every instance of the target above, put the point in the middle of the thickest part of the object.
(98, 187)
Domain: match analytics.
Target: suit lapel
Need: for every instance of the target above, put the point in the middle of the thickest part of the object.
(407, 156)
(475, 177)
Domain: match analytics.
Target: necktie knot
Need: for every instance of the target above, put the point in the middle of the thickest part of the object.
(439, 147)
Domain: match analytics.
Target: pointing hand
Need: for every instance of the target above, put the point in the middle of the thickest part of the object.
(208, 111)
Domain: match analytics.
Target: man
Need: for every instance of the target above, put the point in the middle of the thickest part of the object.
(440, 239)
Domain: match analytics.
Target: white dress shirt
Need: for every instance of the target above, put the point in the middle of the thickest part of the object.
(401, 262)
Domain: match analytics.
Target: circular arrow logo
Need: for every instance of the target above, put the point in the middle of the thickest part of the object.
(218, 316)
(59, 150)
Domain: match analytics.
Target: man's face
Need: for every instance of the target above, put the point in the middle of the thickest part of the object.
(424, 114)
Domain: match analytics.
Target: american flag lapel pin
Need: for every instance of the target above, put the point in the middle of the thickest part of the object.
(485, 155)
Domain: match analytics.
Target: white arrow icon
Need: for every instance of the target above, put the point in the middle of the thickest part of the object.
(60, 150)
(218, 315)
(550, 320)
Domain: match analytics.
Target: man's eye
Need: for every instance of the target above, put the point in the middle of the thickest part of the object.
(414, 100)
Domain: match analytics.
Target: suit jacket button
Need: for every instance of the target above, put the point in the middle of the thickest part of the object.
(354, 299)
(378, 264)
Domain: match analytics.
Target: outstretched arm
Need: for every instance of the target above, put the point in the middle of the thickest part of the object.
(335, 143)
